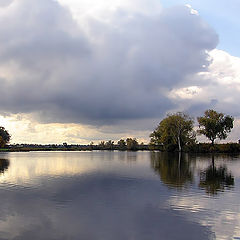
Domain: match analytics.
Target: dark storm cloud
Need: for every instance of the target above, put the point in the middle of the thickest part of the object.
(118, 70)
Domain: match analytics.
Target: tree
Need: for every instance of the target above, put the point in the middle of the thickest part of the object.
(4, 137)
(215, 125)
(122, 144)
(101, 145)
(132, 144)
(109, 145)
(175, 129)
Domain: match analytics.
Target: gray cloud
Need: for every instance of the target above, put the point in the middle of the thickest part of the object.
(121, 70)
(4, 3)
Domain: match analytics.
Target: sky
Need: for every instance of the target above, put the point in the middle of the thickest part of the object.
(222, 15)
(78, 71)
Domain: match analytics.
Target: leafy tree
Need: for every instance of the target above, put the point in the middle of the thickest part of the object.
(101, 145)
(109, 145)
(174, 130)
(4, 137)
(132, 144)
(215, 125)
(122, 144)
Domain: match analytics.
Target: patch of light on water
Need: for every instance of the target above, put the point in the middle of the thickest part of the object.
(220, 214)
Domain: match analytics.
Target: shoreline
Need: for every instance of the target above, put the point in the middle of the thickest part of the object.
(115, 150)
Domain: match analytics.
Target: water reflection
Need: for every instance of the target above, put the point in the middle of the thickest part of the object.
(215, 179)
(116, 195)
(174, 169)
(104, 204)
(4, 164)
(127, 156)
(177, 171)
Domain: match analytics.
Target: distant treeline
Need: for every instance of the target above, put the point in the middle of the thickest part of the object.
(174, 133)
(132, 145)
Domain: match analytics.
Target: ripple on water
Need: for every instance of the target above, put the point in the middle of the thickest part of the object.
(100, 196)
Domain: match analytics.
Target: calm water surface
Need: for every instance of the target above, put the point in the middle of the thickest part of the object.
(118, 196)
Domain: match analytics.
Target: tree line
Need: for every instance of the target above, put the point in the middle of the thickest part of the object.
(177, 130)
(130, 144)
(174, 133)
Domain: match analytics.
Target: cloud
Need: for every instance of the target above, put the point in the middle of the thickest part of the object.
(98, 72)
(102, 9)
(25, 129)
(4, 3)
(218, 88)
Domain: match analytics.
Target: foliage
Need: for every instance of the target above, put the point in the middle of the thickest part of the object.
(218, 148)
(176, 130)
(132, 144)
(215, 125)
(101, 145)
(109, 145)
(122, 144)
(4, 137)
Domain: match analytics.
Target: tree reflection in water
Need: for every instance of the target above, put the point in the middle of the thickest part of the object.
(4, 164)
(215, 179)
(174, 169)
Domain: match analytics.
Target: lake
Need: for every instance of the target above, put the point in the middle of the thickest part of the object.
(119, 195)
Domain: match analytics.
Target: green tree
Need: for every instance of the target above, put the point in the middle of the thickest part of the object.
(174, 130)
(101, 145)
(4, 137)
(215, 125)
(109, 145)
(122, 144)
(132, 144)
